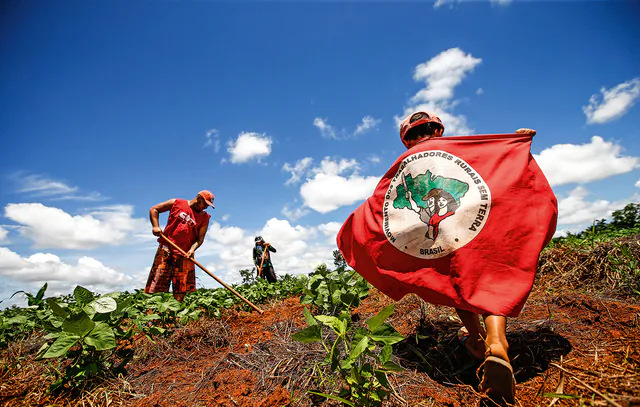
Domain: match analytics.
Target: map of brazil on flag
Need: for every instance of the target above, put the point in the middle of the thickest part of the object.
(460, 221)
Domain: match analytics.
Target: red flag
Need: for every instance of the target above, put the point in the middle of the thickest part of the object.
(460, 221)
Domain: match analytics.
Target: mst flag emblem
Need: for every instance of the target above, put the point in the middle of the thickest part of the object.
(435, 204)
(460, 221)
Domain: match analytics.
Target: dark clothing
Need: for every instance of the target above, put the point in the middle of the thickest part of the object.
(267, 267)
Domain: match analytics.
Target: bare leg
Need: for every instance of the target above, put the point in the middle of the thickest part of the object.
(497, 336)
(498, 381)
(475, 343)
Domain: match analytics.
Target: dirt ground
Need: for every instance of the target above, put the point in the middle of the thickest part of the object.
(569, 343)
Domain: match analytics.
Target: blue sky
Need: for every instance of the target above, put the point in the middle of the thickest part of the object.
(288, 112)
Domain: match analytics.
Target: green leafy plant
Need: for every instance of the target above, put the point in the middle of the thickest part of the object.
(85, 335)
(361, 356)
(37, 300)
(333, 292)
(17, 323)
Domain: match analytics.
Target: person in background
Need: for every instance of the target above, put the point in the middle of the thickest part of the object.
(262, 259)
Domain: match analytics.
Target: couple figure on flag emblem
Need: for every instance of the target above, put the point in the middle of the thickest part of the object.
(436, 186)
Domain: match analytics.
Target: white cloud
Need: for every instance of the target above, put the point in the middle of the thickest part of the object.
(575, 209)
(39, 186)
(374, 159)
(298, 249)
(328, 166)
(297, 170)
(325, 128)
(325, 193)
(328, 131)
(440, 3)
(480, 91)
(441, 74)
(50, 227)
(294, 214)
(249, 146)
(3, 234)
(330, 188)
(638, 184)
(451, 3)
(614, 104)
(62, 277)
(227, 234)
(330, 230)
(571, 163)
(225, 217)
(367, 124)
(213, 139)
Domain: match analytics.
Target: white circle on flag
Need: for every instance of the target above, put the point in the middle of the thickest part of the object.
(436, 203)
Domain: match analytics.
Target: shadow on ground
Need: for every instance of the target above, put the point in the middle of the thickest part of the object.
(434, 349)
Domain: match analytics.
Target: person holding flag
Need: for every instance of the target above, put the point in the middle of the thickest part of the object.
(475, 250)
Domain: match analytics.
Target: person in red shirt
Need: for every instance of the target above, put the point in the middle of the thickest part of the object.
(186, 227)
(480, 341)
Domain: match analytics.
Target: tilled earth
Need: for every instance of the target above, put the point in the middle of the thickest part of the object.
(585, 347)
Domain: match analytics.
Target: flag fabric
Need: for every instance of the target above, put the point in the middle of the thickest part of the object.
(460, 221)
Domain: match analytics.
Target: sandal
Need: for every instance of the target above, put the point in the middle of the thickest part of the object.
(498, 381)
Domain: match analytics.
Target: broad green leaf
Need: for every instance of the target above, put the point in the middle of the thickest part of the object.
(346, 364)
(386, 353)
(156, 330)
(101, 337)
(359, 348)
(377, 320)
(55, 308)
(90, 370)
(311, 321)
(338, 326)
(310, 334)
(382, 378)
(356, 375)
(392, 367)
(386, 334)
(41, 292)
(358, 345)
(335, 297)
(20, 319)
(61, 346)
(104, 305)
(78, 324)
(89, 310)
(347, 298)
(82, 295)
(52, 335)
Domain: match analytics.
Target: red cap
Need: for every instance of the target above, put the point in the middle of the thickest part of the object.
(207, 196)
(416, 119)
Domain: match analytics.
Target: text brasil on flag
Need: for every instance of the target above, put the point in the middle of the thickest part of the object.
(460, 221)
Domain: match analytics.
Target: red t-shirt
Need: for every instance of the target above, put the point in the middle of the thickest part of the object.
(183, 225)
